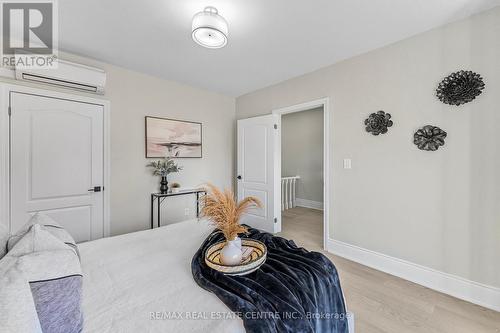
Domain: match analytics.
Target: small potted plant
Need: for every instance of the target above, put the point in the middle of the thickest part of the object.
(163, 168)
(222, 209)
(176, 187)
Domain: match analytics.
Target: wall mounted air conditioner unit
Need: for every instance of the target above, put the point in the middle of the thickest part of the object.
(67, 75)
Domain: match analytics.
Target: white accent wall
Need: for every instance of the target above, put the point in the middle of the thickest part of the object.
(439, 209)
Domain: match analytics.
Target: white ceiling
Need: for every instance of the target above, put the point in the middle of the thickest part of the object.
(269, 40)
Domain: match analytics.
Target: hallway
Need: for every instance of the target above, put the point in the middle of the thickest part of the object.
(304, 226)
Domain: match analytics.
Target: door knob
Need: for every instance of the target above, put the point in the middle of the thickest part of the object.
(239, 177)
(95, 189)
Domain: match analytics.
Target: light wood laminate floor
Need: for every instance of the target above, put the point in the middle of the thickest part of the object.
(385, 303)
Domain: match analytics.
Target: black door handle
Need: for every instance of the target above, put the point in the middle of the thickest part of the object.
(95, 189)
(239, 177)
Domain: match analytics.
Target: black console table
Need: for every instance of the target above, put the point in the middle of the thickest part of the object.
(159, 198)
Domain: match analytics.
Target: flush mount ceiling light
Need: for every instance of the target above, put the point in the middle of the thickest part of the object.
(210, 29)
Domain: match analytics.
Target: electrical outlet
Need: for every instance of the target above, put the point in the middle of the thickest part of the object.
(186, 211)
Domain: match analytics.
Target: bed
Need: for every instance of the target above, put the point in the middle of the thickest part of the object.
(142, 282)
(138, 282)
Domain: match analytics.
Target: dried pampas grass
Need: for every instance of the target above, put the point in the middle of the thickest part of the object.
(221, 208)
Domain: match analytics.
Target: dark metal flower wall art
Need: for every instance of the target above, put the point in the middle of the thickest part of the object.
(460, 87)
(429, 138)
(377, 123)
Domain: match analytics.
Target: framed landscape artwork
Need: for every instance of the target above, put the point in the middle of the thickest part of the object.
(174, 138)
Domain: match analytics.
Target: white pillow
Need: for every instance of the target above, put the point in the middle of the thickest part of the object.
(36, 239)
(47, 224)
(52, 271)
(17, 308)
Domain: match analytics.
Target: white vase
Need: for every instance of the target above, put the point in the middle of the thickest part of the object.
(231, 252)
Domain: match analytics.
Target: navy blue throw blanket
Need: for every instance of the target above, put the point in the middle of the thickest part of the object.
(294, 291)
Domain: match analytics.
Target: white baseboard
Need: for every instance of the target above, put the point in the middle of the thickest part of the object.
(477, 293)
(309, 204)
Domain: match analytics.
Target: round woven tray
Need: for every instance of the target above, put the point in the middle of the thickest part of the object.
(249, 263)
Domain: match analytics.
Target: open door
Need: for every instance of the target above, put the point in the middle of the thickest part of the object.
(258, 169)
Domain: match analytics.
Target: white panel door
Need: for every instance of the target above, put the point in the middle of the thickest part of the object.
(56, 163)
(258, 169)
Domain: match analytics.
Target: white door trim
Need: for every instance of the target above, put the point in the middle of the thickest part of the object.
(5, 90)
(327, 191)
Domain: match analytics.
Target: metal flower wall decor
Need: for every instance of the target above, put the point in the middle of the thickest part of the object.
(460, 87)
(429, 138)
(377, 123)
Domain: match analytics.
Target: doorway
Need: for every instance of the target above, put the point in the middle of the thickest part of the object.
(259, 172)
(302, 177)
(56, 151)
(304, 162)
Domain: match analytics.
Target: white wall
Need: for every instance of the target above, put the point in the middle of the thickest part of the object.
(302, 152)
(437, 209)
(133, 96)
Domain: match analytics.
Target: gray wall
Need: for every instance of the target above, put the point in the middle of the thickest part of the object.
(438, 209)
(133, 96)
(302, 151)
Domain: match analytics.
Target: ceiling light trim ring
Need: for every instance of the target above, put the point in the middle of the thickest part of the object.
(213, 25)
(206, 45)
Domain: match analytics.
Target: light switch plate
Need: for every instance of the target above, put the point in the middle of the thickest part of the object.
(347, 163)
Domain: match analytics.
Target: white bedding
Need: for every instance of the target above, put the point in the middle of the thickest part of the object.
(129, 277)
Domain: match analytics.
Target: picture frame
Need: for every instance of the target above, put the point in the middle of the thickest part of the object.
(172, 137)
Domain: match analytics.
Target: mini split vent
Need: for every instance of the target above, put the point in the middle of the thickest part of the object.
(67, 75)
